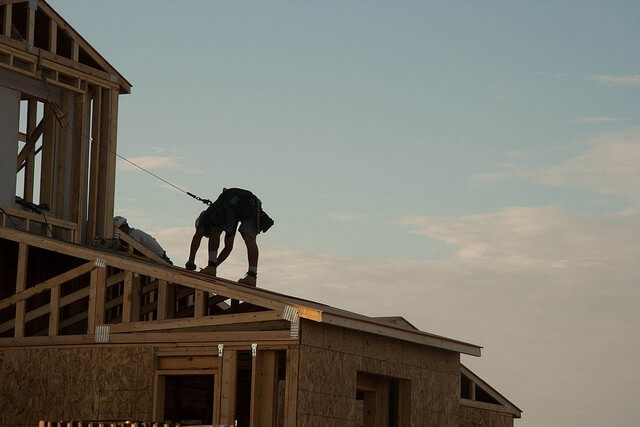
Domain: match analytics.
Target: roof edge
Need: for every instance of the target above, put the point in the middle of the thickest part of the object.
(388, 330)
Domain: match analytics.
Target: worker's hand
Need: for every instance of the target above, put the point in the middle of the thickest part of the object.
(190, 265)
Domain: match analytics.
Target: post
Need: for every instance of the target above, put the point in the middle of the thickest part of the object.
(228, 390)
(21, 285)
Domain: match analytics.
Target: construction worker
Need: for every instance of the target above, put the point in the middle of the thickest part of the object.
(233, 206)
(141, 237)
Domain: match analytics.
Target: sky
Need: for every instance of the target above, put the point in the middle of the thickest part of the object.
(471, 166)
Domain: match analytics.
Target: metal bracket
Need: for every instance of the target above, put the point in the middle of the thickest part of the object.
(290, 313)
(254, 349)
(220, 349)
(102, 333)
(294, 330)
(113, 78)
(100, 263)
(33, 4)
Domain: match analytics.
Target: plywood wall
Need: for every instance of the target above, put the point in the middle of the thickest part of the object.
(330, 358)
(75, 383)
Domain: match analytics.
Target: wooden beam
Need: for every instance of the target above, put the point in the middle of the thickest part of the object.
(291, 386)
(194, 322)
(166, 300)
(93, 294)
(228, 389)
(21, 285)
(79, 151)
(94, 164)
(139, 247)
(7, 20)
(265, 339)
(127, 297)
(264, 376)
(31, 23)
(47, 156)
(75, 50)
(200, 306)
(38, 218)
(27, 152)
(54, 311)
(48, 284)
(53, 36)
(62, 162)
(30, 163)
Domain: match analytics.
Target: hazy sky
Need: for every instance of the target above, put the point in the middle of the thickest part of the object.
(472, 166)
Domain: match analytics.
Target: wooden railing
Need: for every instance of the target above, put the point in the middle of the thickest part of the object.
(38, 224)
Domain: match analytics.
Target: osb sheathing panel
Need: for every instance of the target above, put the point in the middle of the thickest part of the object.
(75, 383)
(331, 356)
(473, 417)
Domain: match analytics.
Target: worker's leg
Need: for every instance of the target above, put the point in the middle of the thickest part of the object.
(214, 243)
(252, 256)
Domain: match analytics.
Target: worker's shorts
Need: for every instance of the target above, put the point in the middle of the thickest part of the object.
(248, 225)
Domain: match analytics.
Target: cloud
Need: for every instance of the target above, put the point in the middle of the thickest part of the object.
(610, 165)
(595, 119)
(630, 80)
(158, 162)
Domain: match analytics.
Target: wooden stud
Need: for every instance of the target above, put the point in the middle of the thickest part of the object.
(7, 20)
(158, 393)
(94, 188)
(228, 388)
(61, 164)
(291, 386)
(264, 377)
(127, 297)
(47, 156)
(31, 24)
(200, 307)
(78, 161)
(54, 311)
(166, 300)
(75, 50)
(21, 286)
(30, 157)
(53, 36)
(93, 301)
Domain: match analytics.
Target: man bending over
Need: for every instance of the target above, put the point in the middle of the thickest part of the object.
(234, 206)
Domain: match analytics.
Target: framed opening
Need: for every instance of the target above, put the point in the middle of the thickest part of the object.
(383, 401)
(189, 399)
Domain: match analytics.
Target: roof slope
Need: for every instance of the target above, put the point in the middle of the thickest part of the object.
(306, 309)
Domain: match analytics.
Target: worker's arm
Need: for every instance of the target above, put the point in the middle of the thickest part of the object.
(195, 244)
(228, 246)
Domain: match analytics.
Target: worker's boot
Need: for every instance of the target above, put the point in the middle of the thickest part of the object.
(210, 270)
(250, 279)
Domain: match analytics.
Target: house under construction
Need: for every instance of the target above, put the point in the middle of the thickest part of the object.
(90, 334)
